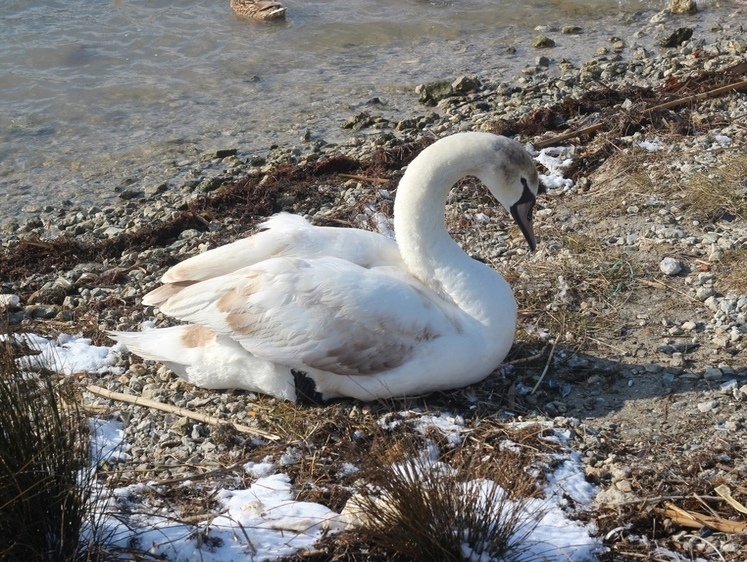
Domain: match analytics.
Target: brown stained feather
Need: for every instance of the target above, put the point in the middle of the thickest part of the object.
(197, 336)
(232, 303)
(365, 353)
(161, 294)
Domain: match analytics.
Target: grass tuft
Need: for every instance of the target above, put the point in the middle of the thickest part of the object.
(46, 489)
(719, 194)
(424, 508)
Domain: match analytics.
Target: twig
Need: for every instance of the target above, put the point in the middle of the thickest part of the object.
(148, 403)
(37, 243)
(697, 97)
(647, 112)
(696, 520)
(364, 178)
(547, 365)
(656, 284)
(529, 359)
(565, 136)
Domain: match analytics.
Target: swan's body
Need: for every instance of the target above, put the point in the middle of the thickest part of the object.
(259, 9)
(356, 313)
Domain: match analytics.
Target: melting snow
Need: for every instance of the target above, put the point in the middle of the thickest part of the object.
(264, 522)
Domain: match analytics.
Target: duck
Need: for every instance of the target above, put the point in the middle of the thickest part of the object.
(310, 313)
(264, 10)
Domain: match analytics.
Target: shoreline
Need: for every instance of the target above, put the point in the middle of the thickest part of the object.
(518, 64)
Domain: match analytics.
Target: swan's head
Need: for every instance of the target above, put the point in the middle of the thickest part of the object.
(512, 178)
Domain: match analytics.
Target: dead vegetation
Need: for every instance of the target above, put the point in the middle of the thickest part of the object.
(47, 491)
(720, 194)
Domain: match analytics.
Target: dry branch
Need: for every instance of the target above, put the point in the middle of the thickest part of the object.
(148, 403)
(364, 178)
(697, 521)
(647, 112)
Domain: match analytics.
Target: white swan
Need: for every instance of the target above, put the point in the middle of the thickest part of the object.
(304, 312)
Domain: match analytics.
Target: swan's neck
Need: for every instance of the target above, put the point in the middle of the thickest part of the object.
(425, 244)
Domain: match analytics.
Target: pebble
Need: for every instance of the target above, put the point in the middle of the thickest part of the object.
(688, 7)
(708, 406)
(670, 266)
(9, 300)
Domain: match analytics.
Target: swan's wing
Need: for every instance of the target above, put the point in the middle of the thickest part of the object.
(323, 313)
(283, 235)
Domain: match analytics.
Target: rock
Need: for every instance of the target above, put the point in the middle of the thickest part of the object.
(613, 496)
(48, 295)
(465, 84)
(112, 231)
(431, 94)
(676, 38)
(678, 348)
(45, 311)
(683, 7)
(708, 406)
(670, 266)
(571, 30)
(9, 300)
(708, 296)
(542, 42)
(225, 152)
(712, 374)
(625, 486)
(359, 121)
(128, 194)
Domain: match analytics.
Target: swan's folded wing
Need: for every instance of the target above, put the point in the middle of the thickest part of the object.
(325, 313)
(283, 235)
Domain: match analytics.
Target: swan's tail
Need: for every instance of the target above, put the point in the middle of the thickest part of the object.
(209, 360)
(177, 347)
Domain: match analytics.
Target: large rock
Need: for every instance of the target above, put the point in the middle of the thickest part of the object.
(542, 42)
(676, 38)
(683, 6)
(431, 94)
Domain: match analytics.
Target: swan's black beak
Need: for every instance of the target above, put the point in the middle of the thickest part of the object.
(521, 211)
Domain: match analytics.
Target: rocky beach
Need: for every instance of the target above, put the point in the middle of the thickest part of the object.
(633, 311)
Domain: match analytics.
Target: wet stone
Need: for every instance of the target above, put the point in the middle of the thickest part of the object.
(687, 7)
(676, 38)
(542, 42)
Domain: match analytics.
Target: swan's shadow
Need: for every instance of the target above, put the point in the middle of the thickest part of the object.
(576, 384)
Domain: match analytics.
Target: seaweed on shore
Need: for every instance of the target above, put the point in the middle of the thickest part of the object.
(247, 201)
(258, 196)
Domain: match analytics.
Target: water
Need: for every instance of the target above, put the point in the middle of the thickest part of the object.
(94, 91)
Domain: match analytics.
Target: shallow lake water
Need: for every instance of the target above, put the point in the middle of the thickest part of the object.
(93, 89)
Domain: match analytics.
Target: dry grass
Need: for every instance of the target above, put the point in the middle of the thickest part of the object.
(422, 508)
(428, 498)
(719, 194)
(732, 271)
(590, 282)
(46, 489)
